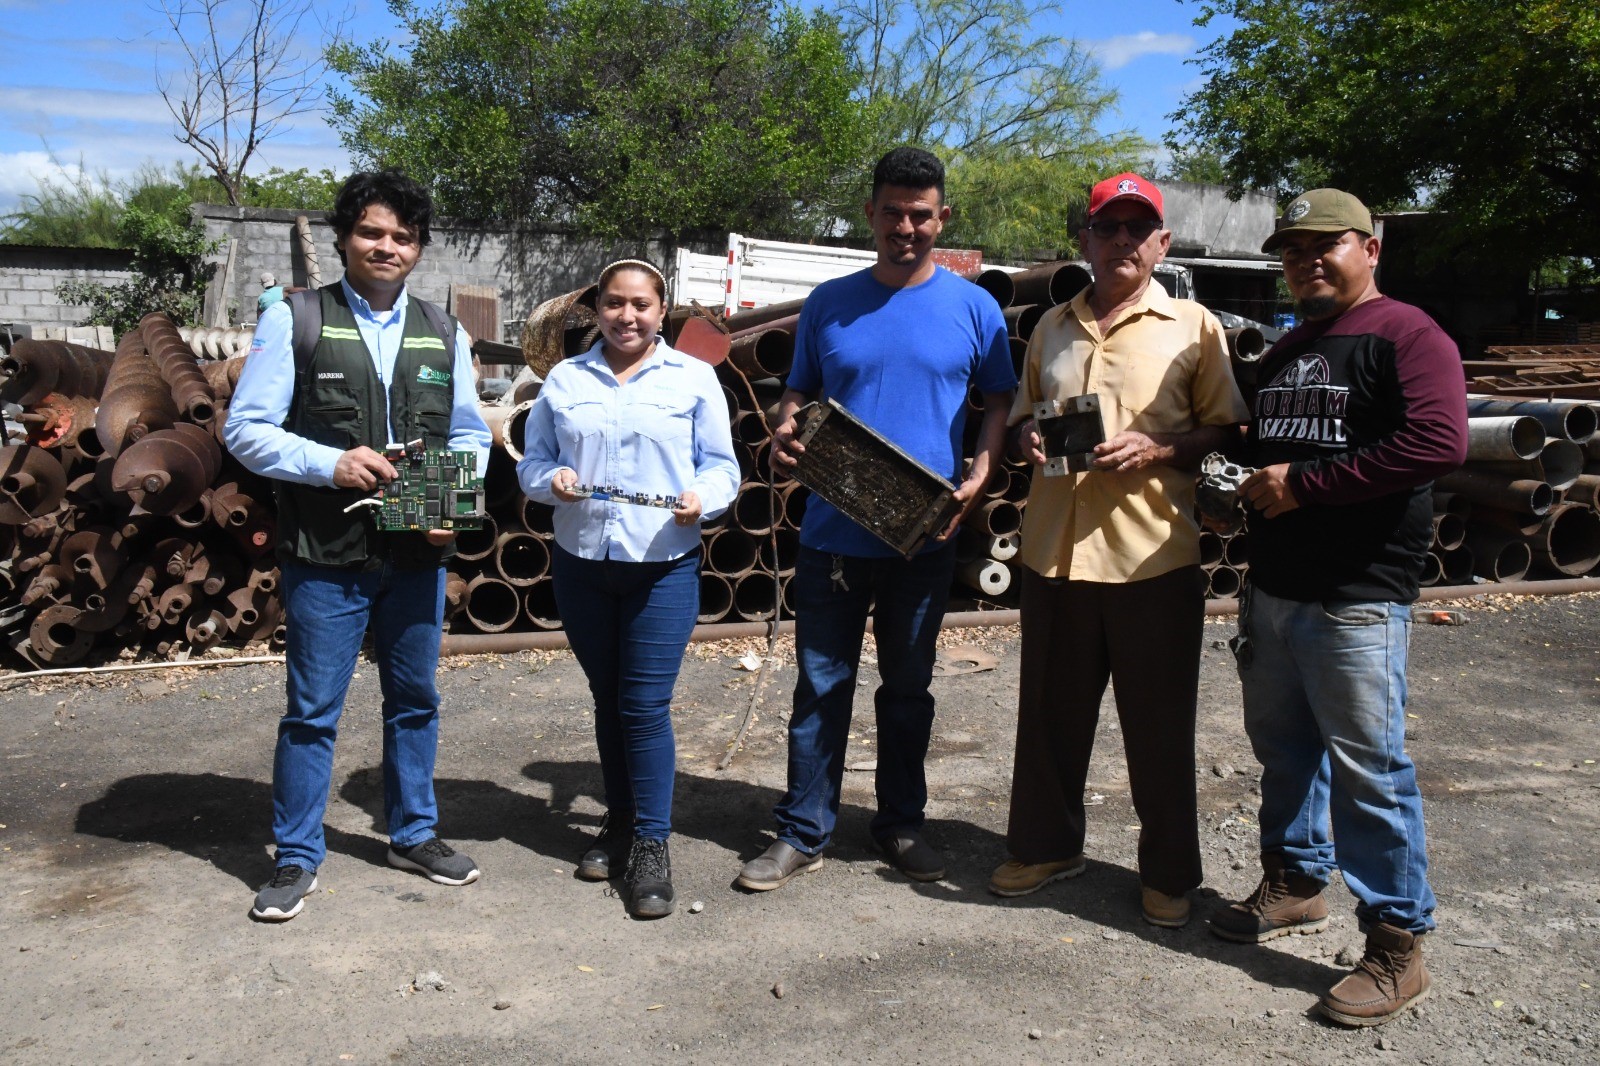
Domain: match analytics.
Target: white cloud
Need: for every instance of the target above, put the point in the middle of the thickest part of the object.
(1116, 52)
(20, 173)
(104, 105)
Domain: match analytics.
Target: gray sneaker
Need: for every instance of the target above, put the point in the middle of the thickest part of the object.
(435, 860)
(282, 897)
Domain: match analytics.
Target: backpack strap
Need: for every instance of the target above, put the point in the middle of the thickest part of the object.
(443, 324)
(306, 309)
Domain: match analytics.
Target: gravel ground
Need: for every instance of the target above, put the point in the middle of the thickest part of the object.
(134, 823)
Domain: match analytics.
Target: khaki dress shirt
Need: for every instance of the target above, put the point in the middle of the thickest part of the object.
(1162, 367)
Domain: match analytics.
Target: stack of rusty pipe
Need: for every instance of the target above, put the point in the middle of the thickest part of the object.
(127, 526)
(1523, 505)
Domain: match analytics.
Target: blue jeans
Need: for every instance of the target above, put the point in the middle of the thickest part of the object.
(830, 621)
(628, 624)
(328, 611)
(1325, 709)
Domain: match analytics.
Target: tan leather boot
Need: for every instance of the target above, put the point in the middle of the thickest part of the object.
(1283, 903)
(1387, 980)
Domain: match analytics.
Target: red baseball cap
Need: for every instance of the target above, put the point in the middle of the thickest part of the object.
(1125, 186)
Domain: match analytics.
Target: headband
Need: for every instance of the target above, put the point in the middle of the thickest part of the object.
(637, 263)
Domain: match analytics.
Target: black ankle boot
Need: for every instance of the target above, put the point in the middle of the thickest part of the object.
(609, 849)
(649, 879)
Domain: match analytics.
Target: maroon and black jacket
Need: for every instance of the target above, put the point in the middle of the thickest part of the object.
(1367, 408)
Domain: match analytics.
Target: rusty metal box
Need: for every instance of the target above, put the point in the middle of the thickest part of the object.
(871, 482)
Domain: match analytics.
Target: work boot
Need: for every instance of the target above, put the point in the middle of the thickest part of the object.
(1017, 878)
(609, 849)
(1389, 978)
(1283, 903)
(1169, 912)
(649, 879)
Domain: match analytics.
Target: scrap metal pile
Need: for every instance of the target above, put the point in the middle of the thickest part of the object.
(123, 519)
(125, 524)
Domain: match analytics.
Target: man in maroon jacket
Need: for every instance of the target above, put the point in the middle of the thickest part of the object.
(1362, 406)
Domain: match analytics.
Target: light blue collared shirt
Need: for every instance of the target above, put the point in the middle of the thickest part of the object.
(663, 432)
(254, 431)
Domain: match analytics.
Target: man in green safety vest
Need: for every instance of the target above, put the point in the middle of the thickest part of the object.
(334, 377)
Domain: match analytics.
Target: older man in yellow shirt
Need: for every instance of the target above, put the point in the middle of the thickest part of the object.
(1111, 582)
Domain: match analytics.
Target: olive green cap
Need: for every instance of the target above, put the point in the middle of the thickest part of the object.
(1320, 211)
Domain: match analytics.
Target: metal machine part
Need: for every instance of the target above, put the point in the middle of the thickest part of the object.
(1217, 493)
(1068, 431)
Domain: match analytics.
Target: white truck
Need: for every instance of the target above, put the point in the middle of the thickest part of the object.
(755, 272)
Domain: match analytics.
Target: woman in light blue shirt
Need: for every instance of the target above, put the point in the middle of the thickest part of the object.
(633, 416)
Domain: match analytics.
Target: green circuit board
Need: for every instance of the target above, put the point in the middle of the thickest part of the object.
(434, 490)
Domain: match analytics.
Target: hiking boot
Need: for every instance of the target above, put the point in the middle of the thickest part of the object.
(1016, 878)
(1389, 978)
(649, 879)
(282, 897)
(1169, 912)
(609, 850)
(1283, 903)
(911, 855)
(774, 867)
(435, 860)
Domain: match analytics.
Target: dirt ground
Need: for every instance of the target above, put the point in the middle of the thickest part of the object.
(135, 831)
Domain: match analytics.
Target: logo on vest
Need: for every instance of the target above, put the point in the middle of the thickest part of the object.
(330, 375)
(429, 376)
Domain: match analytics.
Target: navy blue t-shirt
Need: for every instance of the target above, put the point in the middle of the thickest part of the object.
(900, 360)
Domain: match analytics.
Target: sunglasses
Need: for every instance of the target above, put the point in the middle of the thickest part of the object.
(1138, 228)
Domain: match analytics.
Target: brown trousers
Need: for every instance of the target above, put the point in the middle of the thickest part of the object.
(1143, 636)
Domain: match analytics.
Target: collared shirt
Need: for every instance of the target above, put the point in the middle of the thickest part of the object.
(662, 432)
(1161, 367)
(254, 432)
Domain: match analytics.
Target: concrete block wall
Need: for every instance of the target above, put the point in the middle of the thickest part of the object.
(29, 276)
(527, 267)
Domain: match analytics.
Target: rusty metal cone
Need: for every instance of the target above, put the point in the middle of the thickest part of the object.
(165, 472)
(32, 483)
(544, 336)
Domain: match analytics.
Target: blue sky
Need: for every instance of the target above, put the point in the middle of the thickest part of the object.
(79, 83)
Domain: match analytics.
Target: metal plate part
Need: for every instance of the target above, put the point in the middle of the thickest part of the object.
(1069, 429)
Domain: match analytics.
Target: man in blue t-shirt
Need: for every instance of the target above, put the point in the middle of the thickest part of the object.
(898, 345)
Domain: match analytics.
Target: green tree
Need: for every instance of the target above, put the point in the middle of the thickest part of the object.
(1483, 111)
(1198, 165)
(73, 211)
(1016, 114)
(168, 274)
(296, 190)
(627, 117)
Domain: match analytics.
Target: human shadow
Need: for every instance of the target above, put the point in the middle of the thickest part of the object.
(737, 817)
(226, 821)
(730, 814)
(473, 809)
(1105, 894)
